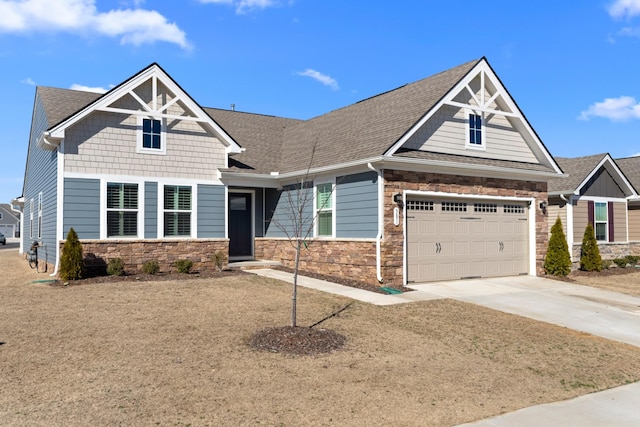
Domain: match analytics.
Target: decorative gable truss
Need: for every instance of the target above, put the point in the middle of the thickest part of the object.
(477, 118)
(151, 96)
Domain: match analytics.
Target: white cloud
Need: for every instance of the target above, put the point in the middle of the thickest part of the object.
(322, 78)
(28, 81)
(244, 6)
(624, 8)
(132, 26)
(615, 109)
(95, 89)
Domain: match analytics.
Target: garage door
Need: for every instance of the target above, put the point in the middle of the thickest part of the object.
(7, 230)
(455, 239)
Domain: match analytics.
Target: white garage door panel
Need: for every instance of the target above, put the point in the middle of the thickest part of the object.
(456, 239)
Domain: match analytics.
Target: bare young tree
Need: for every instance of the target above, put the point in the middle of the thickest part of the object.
(297, 221)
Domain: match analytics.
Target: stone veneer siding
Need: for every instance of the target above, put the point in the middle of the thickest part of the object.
(347, 258)
(398, 181)
(608, 251)
(97, 253)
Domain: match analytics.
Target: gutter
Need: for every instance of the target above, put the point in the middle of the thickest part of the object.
(20, 202)
(380, 221)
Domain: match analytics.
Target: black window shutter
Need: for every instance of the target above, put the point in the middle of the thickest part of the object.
(590, 209)
(610, 219)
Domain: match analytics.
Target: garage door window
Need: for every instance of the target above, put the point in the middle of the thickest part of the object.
(454, 207)
(513, 209)
(485, 207)
(419, 205)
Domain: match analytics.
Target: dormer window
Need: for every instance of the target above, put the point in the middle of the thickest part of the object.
(151, 136)
(474, 130)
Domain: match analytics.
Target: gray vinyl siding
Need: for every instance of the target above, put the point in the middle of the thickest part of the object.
(211, 214)
(40, 177)
(602, 184)
(279, 212)
(357, 206)
(150, 210)
(82, 207)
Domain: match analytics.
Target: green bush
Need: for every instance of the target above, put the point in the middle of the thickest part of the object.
(115, 267)
(184, 266)
(590, 259)
(557, 262)
(219, 259)
(632, 259)
(606, 263)
(71, 260)
(621, 262)
(151, 267)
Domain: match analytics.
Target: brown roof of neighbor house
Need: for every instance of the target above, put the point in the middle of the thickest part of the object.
(60, 104)
(577, 169)
(630, 166)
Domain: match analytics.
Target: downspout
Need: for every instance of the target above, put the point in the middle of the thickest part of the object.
(380, 221)
(19, 212)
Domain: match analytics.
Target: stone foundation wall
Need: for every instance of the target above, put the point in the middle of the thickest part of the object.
(608, 251)
(353, 259)
(398, 181)
(134, 253)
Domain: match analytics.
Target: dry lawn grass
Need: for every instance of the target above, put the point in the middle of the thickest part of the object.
(625, 280)
(175, 353)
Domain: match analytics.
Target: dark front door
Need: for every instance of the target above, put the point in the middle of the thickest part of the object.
(240, 230)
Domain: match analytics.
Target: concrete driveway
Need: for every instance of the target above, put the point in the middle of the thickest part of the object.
(596, 311)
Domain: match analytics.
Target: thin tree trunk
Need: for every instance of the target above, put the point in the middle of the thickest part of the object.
(294, 299)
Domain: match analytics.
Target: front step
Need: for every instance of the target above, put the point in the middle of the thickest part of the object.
(251, 265)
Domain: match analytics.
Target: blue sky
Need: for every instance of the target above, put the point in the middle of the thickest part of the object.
(572, 67)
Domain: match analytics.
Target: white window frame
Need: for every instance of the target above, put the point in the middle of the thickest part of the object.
(107, 209)
(317, 210)
(40, 215)
(163, 137)
(468, 144)
(31, 219)
(605, 222)
(192, 212)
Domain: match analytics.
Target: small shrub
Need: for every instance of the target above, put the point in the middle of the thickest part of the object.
(590, 259)
(151, 267)
(184, 266)
(219, 259)
(71, 260)
(115, 267)
(606, 263)
(557, 262)
(620, 262)
(632, 260)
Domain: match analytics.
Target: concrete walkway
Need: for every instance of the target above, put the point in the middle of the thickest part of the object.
(611, 315)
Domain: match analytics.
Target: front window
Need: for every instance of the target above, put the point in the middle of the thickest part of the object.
(474, 130)
(122, 210)
(324, 209)
(601, 221)
(31, 219)
(177, 210)
(40, 216)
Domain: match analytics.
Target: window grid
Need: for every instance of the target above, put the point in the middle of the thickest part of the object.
(475, 129)
(454, 207)
(600, 221)
(485, 207)
(151, 134)
(122, 210)
(324, 209)
(513, 209)
(419, 205)
(40, 216)
(177, 210)
(31, 219)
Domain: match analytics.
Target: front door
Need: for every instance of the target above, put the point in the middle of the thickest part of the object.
(240, 226)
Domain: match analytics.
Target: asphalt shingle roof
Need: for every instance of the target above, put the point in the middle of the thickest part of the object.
(60, 104)
(630, 166)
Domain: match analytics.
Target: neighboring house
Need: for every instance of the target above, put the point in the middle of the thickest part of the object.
(438, 179)
(631, 168)
(9, 221)
(596, 192)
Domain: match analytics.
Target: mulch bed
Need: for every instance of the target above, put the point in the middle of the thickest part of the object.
(159, 277)
(613, 271)
(297, 340)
